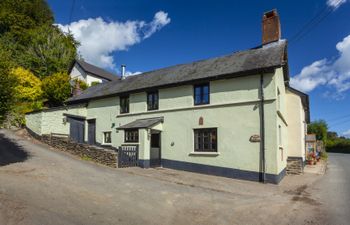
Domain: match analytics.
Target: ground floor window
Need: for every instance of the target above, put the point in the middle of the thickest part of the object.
(107, 137)
(205, 140)
(132, 135)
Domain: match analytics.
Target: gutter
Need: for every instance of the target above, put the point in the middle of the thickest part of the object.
(262, 131)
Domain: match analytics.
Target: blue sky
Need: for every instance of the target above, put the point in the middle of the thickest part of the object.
(147, 35)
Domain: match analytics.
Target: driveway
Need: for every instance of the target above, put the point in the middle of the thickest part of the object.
(39, 185)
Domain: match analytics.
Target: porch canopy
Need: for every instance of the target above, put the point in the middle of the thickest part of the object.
(142, 123)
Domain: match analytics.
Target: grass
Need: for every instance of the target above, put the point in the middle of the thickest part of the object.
(86, 158)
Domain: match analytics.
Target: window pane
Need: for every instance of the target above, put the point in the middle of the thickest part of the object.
(205, 140)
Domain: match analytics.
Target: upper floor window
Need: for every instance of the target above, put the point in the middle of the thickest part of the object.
(201, 94)
(124, 104)
(152, 100)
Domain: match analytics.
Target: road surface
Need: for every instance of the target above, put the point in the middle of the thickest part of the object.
(39, 185)
(334, 189)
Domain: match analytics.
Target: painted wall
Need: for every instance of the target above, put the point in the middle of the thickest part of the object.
(281, 119)
(233, 110)
(104, 111)
(296, 126)
(52, 120)
(78, 73)
(33, 121)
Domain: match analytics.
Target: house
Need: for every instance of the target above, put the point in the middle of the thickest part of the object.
(89, 73)
(234, 116)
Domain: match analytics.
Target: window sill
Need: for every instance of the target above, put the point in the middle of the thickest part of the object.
(214, 154)
(106, 144)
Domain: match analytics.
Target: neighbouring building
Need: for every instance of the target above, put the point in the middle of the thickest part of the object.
(89, 73)
(234, 116)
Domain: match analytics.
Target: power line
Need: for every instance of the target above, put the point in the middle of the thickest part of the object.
(314, 22)
(71, 12)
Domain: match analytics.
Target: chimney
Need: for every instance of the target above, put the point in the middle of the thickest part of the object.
(271, 27)
(77, 90)
(123, 71)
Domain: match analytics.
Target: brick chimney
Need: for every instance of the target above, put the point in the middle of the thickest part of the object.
(271, 27)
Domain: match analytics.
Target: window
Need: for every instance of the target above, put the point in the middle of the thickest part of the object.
(124, 104)
(132, 135)
(107, 137)
(201, 94)
(205, 140)
(152, 100)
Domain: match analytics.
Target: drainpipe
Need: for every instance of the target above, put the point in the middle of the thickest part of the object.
(262, 129)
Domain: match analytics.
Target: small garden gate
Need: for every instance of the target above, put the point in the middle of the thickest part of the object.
(128, 156)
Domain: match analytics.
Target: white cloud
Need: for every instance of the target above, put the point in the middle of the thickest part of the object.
(335, 3)
(347, 133)
(128, 73)
(99, 39)
(332, 73)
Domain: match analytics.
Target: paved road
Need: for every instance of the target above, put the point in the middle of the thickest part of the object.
(334, 189)
(41, 186)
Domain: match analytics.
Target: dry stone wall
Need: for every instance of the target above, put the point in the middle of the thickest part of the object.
(103, 156)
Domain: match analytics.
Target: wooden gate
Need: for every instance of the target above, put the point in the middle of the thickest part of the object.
(76, 130)
(128, 156)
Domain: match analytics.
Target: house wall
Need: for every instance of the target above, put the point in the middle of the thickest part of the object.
(233, 110)
(104, 111)
(281, 133)
(296, 126)
(78, 73)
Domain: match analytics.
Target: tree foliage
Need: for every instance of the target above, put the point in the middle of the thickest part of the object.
(28, 87)
(28, 39)
(7, 85)
(320, 128)
(56, 88)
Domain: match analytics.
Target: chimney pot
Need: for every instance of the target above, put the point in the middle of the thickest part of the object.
(271, 27)
(123, 71)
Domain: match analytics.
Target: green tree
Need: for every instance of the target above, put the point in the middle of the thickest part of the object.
(57, 88)
(320, 128)
(7, 85)
(50, 51)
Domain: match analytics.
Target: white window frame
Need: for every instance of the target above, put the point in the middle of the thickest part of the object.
(103, 137)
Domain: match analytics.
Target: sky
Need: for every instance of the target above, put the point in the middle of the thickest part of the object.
(146, 35)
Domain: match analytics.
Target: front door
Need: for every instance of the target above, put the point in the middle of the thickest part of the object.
(155, 157)
(92, 132)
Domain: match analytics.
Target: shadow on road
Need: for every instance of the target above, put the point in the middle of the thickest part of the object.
(11, 152)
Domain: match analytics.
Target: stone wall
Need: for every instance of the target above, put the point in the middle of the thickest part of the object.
(100, 155)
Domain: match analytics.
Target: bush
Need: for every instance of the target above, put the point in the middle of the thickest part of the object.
(56, 88)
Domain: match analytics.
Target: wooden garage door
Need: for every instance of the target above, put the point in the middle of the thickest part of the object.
(77, 130)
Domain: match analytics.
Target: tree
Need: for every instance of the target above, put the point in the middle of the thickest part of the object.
(57, 88)
(7, 85)
(28, 87)
(51, 51)
(320, 128)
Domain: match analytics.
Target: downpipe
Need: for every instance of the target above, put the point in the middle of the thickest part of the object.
(262, 131)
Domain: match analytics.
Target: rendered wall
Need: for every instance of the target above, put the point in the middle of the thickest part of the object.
(296, 124)
(52, 120)
(233, 110)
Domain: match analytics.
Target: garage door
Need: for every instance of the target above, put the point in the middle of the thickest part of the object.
(77, 129)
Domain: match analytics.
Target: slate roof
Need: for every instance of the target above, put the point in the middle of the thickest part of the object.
(94, 70)
(142, 123)
(241, 63)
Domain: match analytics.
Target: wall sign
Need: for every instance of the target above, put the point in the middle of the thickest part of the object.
(255, 138)
(200, 121)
